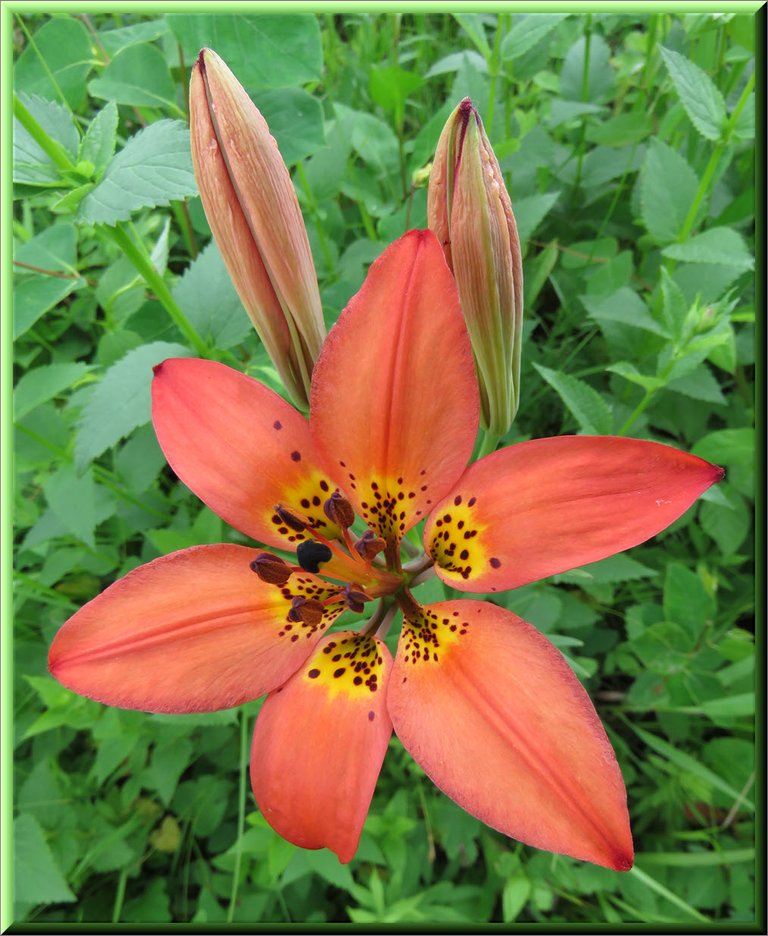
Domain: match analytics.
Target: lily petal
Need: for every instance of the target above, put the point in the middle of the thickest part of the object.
(319, 744)
(394, 398)
(542, 507)
(194, 631)
(240, 447)
(494, 715)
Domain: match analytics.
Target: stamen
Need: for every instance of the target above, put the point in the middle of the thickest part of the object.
(355, 599)
(271, 569)
(370, 545)
(291, 519)
(310, 554)
(339, 510)
(306, 610)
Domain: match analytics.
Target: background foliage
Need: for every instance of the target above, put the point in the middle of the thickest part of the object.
(627, 143)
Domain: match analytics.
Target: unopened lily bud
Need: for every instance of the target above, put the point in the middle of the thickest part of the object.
(271, 569)
(339, 510)
(254, 215)
(470, 212)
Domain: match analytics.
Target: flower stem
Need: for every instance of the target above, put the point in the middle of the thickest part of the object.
(488, 444)
(146, 269)
(240, 816)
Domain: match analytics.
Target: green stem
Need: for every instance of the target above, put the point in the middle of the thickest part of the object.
(146, 269)
(181, 213)
(240, 816)
(488, 444)
(52, 148)
(584, 96)
(119, 896)
(493, 68)
(714, 160)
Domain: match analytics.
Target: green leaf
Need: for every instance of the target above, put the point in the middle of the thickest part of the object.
(169, 761)
(121, 401)
(632, 374)
(31, 164)
(372, 139)
(668, 186)
(526, 32)
(36, 878)
(72, 499)
(54, 248)
(44, 383)
(34, 297)
(623, 130)
(100, 138)
(700, 384)
(619, 568)
(686, 602)
(115, 40)
(735, 706)
(531, 211)
(623, 306)
(727, 447)
(728, 525)
(390, 88)
(154, 168)
(600, 75)
(207, 297)
(592, 413)
(138, 76)
(61, 50)
(264, 51)
(295, 120)
(698, 94)
(720, 245)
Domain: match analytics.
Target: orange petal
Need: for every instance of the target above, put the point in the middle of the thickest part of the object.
(394, 394)
(240, 447)
(494, 715)
(194, 631)
(545, 506)
(319, 744)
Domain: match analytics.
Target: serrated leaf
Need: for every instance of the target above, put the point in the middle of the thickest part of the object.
(138, 76)
(153, 169)
(600, 75)
(698, 94)
(720, 245)
(592, 413)
(31, 164)
(668, 186)
(98, 144)
(623, 306)
(528, 31)
(121, 401)
(264, 51)
(37, 878)
(207, 297)
(728, 525)
(632, 374)
(727, 446)
(295, 120)
(699, 384)
(44, 383)
(72, 499)
(61, 51)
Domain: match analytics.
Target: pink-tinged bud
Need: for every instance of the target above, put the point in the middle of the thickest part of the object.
(254, 214)
(470, 212)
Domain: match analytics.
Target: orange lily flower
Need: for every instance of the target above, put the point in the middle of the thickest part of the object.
(483, 702)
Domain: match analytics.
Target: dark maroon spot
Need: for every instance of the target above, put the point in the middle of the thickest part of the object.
(471, 502)
(371, 716)
(339, 672)
(277, 424)
(457, 500)
(313, 673)
(296, 456)
(496, 563)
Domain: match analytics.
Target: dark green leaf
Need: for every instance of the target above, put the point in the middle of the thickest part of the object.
(37, 878)
(99, 141)
(590, 410)
(58, 62)
(668, 187)
(154, 168)
(698, 94)
(138, 75)
(526, 32)
(295, 120)
(720, 245)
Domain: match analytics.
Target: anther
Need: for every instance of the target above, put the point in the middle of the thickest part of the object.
(295, 521)
(271, 569)
(339, 510)
(369, 545)
(306, 611)
(355, 599)
(310, 554)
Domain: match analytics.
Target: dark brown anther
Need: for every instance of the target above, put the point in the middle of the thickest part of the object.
(369, 545)
(306, 611)
(339, 510)
(271, 569)
(355, 599)
(290, 519)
